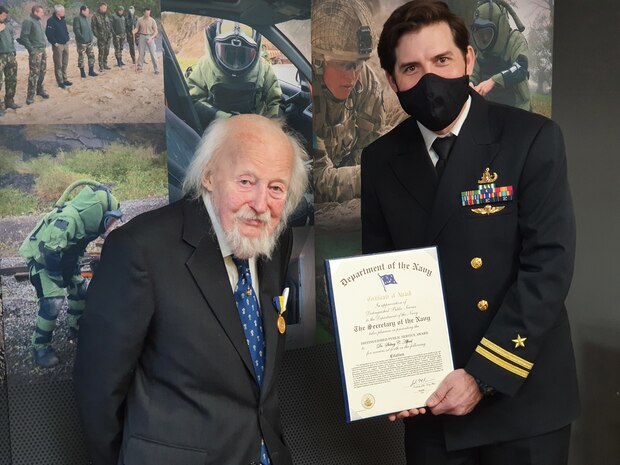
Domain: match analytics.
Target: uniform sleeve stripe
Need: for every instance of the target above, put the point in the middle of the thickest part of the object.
(507, 355)
(501, 362)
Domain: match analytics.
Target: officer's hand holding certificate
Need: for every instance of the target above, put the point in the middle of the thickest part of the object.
(391, 330)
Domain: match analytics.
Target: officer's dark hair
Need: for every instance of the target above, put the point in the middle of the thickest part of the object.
(83, 8)
(146, 8)
(413, 16)
(36, 8)
(3, 9)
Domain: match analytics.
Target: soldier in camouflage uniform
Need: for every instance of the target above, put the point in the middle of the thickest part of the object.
(501, 70)
(33, 38)
(118, 29)
(8, 64)
(101, 25)
(348, 112)
(53, 250)
(84, 41)
(130, 25)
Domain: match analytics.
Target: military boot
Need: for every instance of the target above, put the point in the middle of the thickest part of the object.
(43, 94)
(29, 99)
(11, 104)
(45, 357)
(82, 73)
(118, 62)
(2, 112)
(91, 71)
(105, 66)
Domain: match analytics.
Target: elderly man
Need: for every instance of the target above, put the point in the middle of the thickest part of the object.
(180, 345)
(58, 35)
(32, 37)
(486, 184)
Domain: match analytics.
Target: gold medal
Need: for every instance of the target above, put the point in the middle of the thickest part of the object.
(281, 324)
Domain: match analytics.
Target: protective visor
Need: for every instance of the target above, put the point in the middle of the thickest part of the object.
(483, 33)
(236, 46)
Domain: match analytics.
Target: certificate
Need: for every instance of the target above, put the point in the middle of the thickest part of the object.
(391, 330)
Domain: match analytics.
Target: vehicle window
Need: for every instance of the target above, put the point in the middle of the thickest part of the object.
(298, 33)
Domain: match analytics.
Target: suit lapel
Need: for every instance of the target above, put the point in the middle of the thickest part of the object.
(412, 165)
(207, 267)
(473, 151)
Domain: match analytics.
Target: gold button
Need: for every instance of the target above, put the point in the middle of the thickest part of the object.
(483, 305)
(476, 263)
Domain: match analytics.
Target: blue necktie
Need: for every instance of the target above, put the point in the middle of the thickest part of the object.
(249, 313)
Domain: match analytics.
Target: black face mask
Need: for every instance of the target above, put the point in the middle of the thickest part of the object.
(435, 101)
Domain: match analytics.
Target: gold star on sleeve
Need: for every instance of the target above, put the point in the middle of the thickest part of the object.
(519, 341)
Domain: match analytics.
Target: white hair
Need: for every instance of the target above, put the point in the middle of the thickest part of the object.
(210, 147)
(59, 8)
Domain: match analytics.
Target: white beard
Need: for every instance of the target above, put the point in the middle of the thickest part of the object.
(251, 247)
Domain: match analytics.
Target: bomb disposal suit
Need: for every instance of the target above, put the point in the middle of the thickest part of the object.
(502, 54)
(53, 250)
(232, 77)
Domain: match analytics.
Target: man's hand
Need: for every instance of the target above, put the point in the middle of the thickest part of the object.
(457, 394)
(407, 413)
(485, 87)
(2, 27)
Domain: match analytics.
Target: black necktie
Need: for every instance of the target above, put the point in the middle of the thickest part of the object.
(442, 147)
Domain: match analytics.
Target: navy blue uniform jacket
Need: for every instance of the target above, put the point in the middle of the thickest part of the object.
(526, 252)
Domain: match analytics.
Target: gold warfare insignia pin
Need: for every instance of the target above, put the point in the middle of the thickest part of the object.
(488, 210)
(487, 177)
(368, 401)
(519, 341)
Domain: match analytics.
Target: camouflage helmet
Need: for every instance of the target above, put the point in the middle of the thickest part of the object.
(341, 30)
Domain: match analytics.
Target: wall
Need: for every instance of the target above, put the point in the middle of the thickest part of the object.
(586, 103)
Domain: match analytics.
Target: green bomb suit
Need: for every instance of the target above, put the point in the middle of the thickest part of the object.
(53, 250)
(526, 252)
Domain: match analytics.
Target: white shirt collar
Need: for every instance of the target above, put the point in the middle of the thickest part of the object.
(217, 227)
(430, 136)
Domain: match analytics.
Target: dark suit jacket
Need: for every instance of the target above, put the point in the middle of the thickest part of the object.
(163, 374)
(527, 252)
